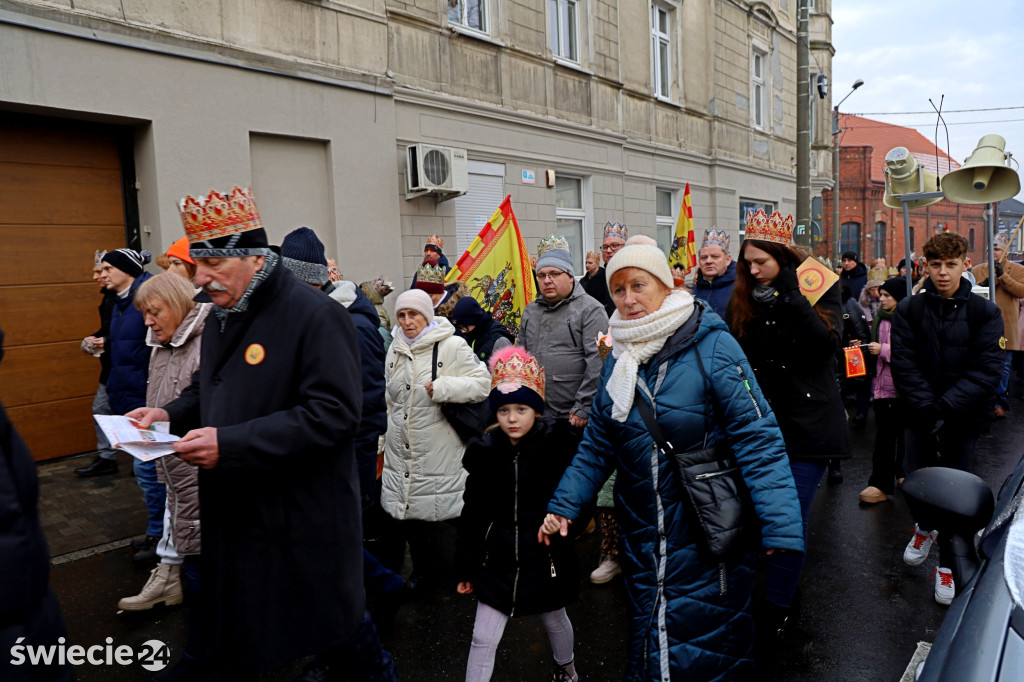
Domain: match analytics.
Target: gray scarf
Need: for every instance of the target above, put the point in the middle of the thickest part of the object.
(270, 262)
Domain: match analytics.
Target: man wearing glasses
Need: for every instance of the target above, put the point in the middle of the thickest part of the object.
(615, 236)
(560, 328)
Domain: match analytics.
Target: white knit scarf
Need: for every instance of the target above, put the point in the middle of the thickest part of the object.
(634, 342)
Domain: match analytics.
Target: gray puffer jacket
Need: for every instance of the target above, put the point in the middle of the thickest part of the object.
(170, 370)
(563, 338)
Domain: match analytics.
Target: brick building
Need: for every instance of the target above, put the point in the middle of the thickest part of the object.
(867, 225)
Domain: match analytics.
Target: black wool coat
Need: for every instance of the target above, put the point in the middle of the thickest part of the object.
(597, 286)
(793, 353)
(947, 360)
(282, 536)
(506, 499)
(483, 338)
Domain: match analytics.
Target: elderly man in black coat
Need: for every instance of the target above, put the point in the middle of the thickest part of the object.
(270, 419)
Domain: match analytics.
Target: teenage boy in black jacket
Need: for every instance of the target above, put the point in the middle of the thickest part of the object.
(947, 355)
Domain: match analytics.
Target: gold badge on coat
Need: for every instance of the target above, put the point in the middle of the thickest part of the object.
(254, 354)
(1002, 342)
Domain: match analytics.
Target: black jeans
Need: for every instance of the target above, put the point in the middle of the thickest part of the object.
(887, 459)
(954, 450)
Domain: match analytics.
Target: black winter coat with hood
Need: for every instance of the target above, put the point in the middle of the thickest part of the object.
(947, 357)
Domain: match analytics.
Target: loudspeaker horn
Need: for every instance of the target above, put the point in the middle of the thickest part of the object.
(903, 175)
(984, 178)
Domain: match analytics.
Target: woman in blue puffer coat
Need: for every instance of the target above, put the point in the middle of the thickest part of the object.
(689, 616)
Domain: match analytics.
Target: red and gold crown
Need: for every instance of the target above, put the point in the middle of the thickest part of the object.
(436, 240)
(217, 215)
(772, 228)
(512, 367)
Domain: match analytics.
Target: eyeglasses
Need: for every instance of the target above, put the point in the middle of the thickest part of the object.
(611, 247)
(550, 276)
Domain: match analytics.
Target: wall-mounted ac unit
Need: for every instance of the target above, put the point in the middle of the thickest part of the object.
(431, 169)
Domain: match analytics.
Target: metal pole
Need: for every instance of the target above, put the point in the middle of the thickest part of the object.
(906, 245)
(990, 235)
(803, 129)
(835, 183)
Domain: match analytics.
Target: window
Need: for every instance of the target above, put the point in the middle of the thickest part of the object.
(665, 220)
(748, 206)
(474, 208)
(970, 242)
(757, 89)
(570, 216)
(849, 238)
(660, 51)
(564, 18)
(469, 13)
(912, 238)
(880, 240)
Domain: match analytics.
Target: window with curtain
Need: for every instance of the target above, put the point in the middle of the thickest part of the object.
(469, 13)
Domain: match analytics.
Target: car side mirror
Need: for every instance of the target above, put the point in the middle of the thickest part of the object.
(955, 503)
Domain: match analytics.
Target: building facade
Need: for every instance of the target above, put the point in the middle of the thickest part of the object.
(584, 111)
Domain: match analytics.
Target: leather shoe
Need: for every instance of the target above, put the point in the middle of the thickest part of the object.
(872, 495)
(98, 467)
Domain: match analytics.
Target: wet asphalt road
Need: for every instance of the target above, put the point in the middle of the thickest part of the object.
(862, 610)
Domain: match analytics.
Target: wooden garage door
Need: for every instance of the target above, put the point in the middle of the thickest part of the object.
(60, 200)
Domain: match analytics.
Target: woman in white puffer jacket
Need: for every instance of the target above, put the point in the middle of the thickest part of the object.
(423, 480)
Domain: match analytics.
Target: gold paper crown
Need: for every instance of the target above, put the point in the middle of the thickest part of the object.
(552, 242)
(218, 215)
(717, 238)
(513, 367)
(769, 229)
(436, 240)
(876, 274)
(97, 261)
(431, 274)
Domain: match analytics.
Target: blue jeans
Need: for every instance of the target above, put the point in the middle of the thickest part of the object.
(155, 495)
(1002, 397)
(784, 568)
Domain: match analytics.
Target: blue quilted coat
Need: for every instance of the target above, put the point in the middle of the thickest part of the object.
(682, 626)
(129, 354)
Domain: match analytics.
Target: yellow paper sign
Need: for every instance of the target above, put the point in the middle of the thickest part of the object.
(815, 279)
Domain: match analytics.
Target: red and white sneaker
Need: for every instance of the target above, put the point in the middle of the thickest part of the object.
(945, 590)
(919, 546)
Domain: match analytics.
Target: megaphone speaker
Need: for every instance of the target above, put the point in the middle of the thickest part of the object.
(984, 178)
(905, 176)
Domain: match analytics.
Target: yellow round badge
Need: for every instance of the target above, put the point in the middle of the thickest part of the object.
(1002, 342)
(254, 354)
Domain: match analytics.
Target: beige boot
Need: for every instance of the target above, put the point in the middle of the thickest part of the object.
(164, 585)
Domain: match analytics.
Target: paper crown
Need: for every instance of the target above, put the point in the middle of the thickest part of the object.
(431, 274)
(553, 242)
(1000, 241)
(383, 286)
(217, 215)
(435, 240)
(512, 367)
(593, 255)
(333, 273)
(877, 275)
(769, 229)
(715, 237)
(97, 261)
(616, 231)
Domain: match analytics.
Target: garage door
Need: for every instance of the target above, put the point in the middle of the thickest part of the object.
(60, 200)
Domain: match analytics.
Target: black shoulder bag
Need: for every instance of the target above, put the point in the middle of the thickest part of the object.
(718, 498)
(468, 419)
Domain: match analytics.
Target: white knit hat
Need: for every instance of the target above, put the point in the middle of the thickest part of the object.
(418, 300)
(644, 256)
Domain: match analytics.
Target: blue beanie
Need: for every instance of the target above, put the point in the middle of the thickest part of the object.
(302, 252)
(467, 311)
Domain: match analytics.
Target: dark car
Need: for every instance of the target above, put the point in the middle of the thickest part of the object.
(982, 635)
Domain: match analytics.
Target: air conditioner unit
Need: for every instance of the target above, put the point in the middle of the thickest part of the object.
(431, 169)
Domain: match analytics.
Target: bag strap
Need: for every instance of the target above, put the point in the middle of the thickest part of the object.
(652, 424)
(433, 362)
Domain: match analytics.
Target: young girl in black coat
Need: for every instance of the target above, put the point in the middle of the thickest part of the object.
(513, 472)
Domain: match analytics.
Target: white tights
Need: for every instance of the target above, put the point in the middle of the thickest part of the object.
(487, 631)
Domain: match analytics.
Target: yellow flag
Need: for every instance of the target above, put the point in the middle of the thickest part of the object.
(496, 268)
(684, 249)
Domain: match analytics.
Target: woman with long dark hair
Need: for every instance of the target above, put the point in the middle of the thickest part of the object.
(792, 347)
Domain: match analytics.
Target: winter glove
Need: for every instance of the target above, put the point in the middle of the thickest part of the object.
(786, 281)
(999, 269)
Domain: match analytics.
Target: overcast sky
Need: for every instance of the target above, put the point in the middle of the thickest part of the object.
(908, 52)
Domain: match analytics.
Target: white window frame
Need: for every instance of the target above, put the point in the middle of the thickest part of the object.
(583, 214)
(463, 25)
(659, 38)
(669, 221)
(758, 87)
(559, 32)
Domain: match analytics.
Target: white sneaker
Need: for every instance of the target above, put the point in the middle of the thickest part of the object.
(919, 546)
(945, 590)
(608, 569)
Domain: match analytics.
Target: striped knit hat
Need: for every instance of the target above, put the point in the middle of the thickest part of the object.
(128, 261)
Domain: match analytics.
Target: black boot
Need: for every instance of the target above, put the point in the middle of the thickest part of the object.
(835, 472)
(98, 467)
(145, 549)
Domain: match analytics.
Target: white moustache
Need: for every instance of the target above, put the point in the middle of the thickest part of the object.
(214, 286)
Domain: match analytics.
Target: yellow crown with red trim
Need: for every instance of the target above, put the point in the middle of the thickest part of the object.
(772, 228)
(218, 215)
(515, 367)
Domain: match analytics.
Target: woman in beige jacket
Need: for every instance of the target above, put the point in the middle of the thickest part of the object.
(423, 480)
(175, 325)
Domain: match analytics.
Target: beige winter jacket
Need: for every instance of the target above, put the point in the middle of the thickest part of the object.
(423, 476)
(170, 371)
